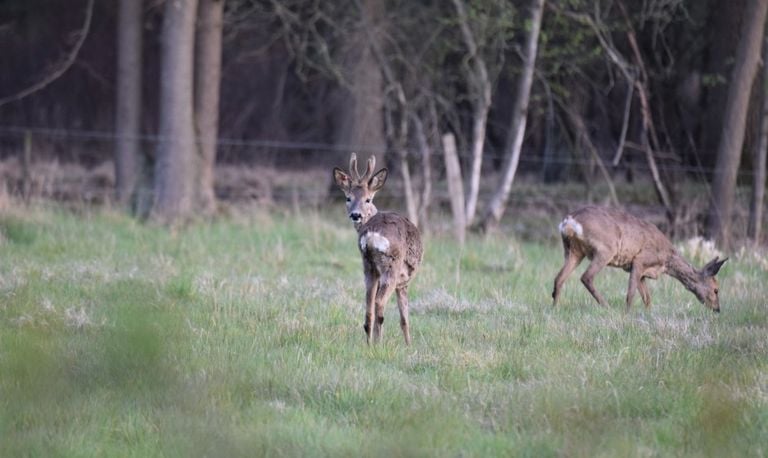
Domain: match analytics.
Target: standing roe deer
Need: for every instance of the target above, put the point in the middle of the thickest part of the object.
(389, 243)
(610, 237)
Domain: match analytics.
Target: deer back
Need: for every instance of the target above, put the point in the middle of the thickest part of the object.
(390, 238)
(619, 236)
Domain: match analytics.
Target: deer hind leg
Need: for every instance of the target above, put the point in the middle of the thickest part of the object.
(588, 277)
(635, 279)
(643, 288)
(402, 305)
(386, 287)
(371, 290)
(572, 260)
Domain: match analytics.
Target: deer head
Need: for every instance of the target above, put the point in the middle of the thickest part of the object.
(707, 289)
(360, 190)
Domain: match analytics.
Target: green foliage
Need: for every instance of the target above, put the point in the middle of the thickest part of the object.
(244, 338)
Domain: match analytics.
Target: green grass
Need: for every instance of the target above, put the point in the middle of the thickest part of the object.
(243, 337)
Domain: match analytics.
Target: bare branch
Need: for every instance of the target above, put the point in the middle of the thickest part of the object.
(625, 123)
(61, 67)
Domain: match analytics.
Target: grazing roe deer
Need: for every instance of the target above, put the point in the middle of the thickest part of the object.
(389, 244)
(610, 237)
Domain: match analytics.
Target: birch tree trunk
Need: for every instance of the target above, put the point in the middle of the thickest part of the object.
(175, 164)
(128, 157)
(455, 186)
(207, 83)
(481, 101)
(734, 122)
(519, 118)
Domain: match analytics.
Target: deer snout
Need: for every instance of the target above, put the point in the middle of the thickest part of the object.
(355, 216)
(716, 310)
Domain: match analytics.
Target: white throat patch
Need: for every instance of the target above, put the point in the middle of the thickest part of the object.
(374, 240)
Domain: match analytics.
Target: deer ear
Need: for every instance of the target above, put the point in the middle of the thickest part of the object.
(713, 267)
(341, 179)
(377, 180)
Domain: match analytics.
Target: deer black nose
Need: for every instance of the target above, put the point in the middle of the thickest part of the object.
(355, 216)
(717, 310)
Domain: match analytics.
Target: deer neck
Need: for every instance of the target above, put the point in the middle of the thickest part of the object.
(359, 226)
(684, 272)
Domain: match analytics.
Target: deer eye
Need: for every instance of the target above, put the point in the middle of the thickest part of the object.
(717, 291)
(368, 201)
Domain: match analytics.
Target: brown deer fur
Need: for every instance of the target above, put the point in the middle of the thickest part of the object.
(610, 237)
(389, 244)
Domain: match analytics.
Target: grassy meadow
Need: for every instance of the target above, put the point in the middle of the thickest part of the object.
(243, 337)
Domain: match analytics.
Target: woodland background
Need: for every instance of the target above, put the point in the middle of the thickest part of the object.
(163, 105)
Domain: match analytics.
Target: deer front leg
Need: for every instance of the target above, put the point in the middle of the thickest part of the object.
(402, 305)
(371, 289)
(572, 260)
(588, 277)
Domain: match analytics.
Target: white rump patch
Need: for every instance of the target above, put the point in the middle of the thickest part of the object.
(570, 224)
(374, 240)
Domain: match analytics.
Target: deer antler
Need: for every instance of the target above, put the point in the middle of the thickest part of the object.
(369, 169)
(353, 167)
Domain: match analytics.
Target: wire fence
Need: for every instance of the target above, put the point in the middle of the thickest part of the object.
(62, 169)
(68, 150)
(11, 137)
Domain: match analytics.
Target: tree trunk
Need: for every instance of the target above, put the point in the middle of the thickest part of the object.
(399, 138)
(396, 129)
(207, 83)
(583, 141)
(175, 164)
(723, 27)
(759, 163)
(359, 121)
(519, 117)
(735, 118)
(128, 157)
(649, 138)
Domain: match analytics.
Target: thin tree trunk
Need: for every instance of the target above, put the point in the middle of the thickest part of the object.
(647, 138)
(759, 163)
(26, 168)
(650, 140)
(735, 117)
(582, 138)
(724, 26)
(479, 125)
(208, 80)
(455, 186)
(401, 137)
(624, 123)
(519, 117)
(426, 172)
(481, 101)
(128, 157)
(174, 168)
